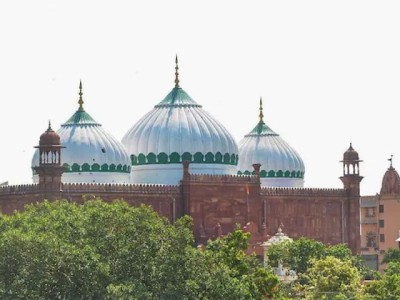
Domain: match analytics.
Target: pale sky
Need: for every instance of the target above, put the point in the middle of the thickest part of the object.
(328, 73)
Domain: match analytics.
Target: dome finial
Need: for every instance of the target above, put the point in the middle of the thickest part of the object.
(391, 161)
(80, 102)
(49, 128)
(176, 72)
(261, 115)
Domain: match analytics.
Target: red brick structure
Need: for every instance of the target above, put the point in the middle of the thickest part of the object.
(217, 203)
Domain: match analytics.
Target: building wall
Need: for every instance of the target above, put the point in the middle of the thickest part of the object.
(220, 203)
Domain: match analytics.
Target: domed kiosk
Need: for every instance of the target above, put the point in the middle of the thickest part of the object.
(89, 154)
(177, 130)
(281, 165)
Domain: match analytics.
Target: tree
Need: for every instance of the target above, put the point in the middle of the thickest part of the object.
(332, 278)
(299, 253)
(99, 250)
(391, 255)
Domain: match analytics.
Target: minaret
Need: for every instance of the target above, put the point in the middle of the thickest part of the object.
(49, 169)
(351, 207)
(351, 171)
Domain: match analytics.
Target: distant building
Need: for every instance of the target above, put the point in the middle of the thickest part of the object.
(380, 220)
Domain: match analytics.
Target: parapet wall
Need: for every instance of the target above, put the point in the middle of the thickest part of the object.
(224, 178)
(269, 191)
(93, 188)
(121, 188)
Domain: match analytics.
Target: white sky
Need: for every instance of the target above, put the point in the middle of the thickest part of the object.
(328, 72)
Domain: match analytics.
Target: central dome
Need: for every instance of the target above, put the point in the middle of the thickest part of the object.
(178, 129)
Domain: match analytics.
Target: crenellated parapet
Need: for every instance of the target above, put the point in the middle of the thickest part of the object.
(276, 191)
(120, 188)
(224, 178)
(19, 189)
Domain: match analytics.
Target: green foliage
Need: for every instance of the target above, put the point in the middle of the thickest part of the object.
(391, 255)
(297, 255)
(332, 278)
(388, 286)
(97, 250)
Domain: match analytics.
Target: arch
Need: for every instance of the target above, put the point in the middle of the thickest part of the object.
(198, 157)
(141, 159)
(246, 173)
(187, 156)
(119, 168)
(134, 160)
(263, 173)
(279, 173)
(162, 158)
(174, 157)
(240, 173)
(104, 167)
(85, 167)
(209, 158)
(227, 158)
(75, 167)
(124, 168)
(66, 167)
(287, 173)
(298, 174)
(233, 159)
(95, 167)
(151, 158)
(112, 167)
(271, 173)
(218, 157)
(293, 174)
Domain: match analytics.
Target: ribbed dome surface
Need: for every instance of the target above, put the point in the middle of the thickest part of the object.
(91, 154)
(281, 165)
(178, 129)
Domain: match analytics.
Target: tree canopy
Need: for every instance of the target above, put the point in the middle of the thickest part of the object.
(99, 250)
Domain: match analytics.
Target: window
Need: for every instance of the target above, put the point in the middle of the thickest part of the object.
(382, 238)
(381, 208)
(370, 212)
(371, 239)
(381, 223)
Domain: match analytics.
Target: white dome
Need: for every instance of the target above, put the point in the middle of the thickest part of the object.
(281, 165)
(178, 129)
(91, 154)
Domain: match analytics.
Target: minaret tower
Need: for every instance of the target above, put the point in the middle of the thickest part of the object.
(49, 169)
(351, 207)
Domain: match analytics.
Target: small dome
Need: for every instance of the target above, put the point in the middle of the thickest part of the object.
(49, 137)
(350, 155)
(178, 129)
(390, 181)
(281, 165)
(90, 153)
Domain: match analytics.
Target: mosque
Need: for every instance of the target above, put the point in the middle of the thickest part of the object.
(180, 160)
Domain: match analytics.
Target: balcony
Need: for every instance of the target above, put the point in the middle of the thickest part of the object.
(369, 220)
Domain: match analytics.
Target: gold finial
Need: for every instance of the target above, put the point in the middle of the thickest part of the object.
(176, 72)
(80, 102)
(261, 115)
(48, 129)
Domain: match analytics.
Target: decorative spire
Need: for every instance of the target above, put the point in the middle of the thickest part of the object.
(80, 102)
(391, 160)
(261, 115)
(176, 72)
